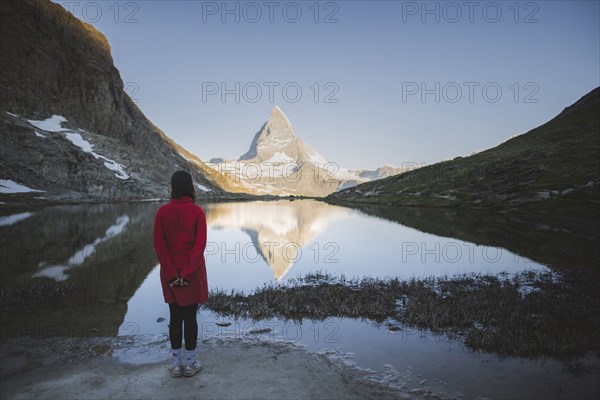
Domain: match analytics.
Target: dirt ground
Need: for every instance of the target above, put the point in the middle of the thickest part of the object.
(138, 367)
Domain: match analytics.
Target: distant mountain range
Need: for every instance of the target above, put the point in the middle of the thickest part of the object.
(279, 162)
(69, 132)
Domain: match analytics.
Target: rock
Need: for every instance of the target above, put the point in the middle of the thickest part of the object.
(53, 64)
(259, 331)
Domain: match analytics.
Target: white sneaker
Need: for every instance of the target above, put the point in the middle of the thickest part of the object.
(190, 370)
(177, 371)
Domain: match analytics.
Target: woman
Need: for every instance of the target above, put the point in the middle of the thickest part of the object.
(179, 242)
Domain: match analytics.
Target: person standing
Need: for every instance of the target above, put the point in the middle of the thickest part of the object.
(179, 243)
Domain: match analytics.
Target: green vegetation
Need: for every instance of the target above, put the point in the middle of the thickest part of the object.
(528, 315)
(553, 169)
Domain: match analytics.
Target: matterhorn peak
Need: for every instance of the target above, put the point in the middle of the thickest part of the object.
(286, 165)
(275, 135)
(278, 114)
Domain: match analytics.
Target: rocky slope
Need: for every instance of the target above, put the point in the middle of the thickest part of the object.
(279, 162)
(68, 128)
(552, 169)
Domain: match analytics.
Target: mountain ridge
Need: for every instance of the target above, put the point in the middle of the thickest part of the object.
(289, 166)
(57, 66)
(552, 169)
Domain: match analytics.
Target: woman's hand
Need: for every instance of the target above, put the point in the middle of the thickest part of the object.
(178, 281)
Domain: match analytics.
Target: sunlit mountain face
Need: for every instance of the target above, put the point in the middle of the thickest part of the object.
(279, 162)
(277, 229)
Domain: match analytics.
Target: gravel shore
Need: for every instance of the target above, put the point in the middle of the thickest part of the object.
(138, 367)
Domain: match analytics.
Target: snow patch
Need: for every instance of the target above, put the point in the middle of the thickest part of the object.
(8, 186)
(54, 124)
(114, 166)
(345, 174)
(87, 147)
(318, 159)
(203, 188)
(57, 272)
(12, 219)
(273, 142)
(80, 142)
(279, 157)
(39, 134)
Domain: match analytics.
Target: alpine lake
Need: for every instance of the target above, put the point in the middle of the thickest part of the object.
(484, 305)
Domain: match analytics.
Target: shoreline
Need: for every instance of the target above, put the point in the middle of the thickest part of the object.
(139, 367)
(27, 201)
(529, 314)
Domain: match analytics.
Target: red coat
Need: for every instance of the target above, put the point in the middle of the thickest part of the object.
(179, 243)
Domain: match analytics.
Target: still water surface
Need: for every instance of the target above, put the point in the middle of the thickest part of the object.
(107, 248)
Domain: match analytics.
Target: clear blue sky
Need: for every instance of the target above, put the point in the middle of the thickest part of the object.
(377, 56)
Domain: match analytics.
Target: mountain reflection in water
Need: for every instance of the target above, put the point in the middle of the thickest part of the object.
(104, 252)
(276, 229)
(100, 261)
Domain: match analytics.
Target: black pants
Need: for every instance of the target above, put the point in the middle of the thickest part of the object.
(185, 316)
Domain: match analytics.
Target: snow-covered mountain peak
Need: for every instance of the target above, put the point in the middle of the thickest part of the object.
(276, 135)
(278, 114)
(279, 162)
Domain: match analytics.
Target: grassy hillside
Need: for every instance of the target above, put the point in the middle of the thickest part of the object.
(554, 168)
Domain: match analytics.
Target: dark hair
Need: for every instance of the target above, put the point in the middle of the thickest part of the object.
(182, 185)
